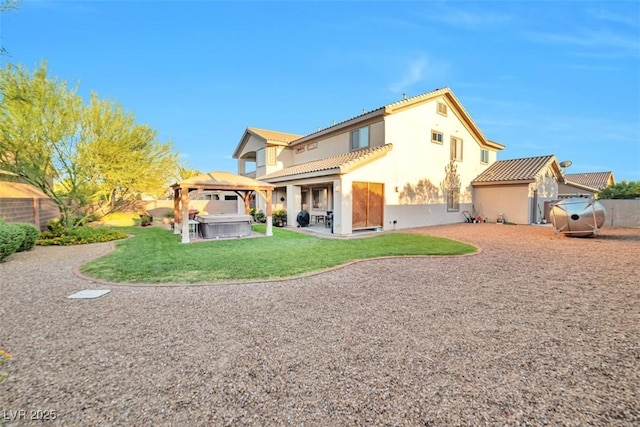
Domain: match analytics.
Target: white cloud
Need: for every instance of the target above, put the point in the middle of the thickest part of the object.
(415, 72)
(590, 39)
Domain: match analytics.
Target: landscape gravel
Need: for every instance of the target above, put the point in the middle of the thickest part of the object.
(535, 329)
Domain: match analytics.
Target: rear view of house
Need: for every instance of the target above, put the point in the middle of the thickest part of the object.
(406, 164)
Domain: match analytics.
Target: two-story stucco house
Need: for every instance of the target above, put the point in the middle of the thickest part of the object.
(406, 164)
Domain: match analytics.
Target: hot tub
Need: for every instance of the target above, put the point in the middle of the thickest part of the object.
(228, 225)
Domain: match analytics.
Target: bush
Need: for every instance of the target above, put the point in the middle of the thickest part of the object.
(31, 234)
(621, 190)
(55, 227)
(81, 236)
(258, 216)
(279, 217)
(11, 238)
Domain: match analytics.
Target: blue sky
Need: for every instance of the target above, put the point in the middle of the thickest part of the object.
(540, 77)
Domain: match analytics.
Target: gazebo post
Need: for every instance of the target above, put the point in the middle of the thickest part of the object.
(185, 215)
(176, 210)
(269, 214)
(247, 202)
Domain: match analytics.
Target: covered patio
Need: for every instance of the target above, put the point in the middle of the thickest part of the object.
(243, 186)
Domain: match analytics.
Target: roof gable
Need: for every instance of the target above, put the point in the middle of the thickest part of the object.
(406, 103)
(342, 163)
(271, 137)
(524, 170)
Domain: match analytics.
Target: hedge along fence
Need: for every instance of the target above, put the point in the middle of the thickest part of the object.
(34, 210)
(17, 238)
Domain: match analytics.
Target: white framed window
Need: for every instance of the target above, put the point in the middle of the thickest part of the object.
(437, 137)
(453, 200)
(300, 150)
(484, 156)
(442, 108)
(456, 149)
(260, 157)
(312, 146)
(360, 138)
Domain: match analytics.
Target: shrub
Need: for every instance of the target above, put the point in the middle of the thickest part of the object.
(258, 216)
(55, 227)
(81, 236)
(621, 190)
(279, 216)
(11, 238)
(31, 234)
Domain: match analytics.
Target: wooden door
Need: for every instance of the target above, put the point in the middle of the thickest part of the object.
(368, 205)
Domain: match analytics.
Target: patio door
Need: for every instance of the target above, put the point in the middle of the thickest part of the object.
(368, 205)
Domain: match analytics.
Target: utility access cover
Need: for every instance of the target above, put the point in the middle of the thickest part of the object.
(89, 293)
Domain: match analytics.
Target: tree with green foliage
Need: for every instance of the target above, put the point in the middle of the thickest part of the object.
(86, 158)
(621, 190)
(122, 160)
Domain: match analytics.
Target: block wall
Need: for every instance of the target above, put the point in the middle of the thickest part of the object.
(36, 211)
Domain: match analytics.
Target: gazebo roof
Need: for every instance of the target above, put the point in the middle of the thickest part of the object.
(223, 181)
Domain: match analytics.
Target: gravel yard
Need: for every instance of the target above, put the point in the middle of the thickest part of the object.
(536, 329)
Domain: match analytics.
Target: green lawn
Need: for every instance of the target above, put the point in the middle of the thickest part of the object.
(155, 255)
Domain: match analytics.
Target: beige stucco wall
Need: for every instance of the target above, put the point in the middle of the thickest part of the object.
(512, 201)
(253, 144)
(399, 215)
(565, 190)
(335, 144)
(547, 188)
(417, 158)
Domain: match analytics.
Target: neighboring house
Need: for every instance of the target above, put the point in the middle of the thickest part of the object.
(406, 164)
(519, 190)
(584, 184)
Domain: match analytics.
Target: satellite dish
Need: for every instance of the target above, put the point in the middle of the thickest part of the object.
(565, 164)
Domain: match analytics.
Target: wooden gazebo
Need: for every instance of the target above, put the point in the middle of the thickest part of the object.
(223, 181)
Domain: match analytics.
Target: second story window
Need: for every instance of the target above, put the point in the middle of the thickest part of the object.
(456, 149)
(484, 156)
(436, 137)
(360, 138)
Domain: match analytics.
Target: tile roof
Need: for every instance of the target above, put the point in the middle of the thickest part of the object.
(272, 135)
(220, 181)
(593, 180)
(342, 162)
(525, 170)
